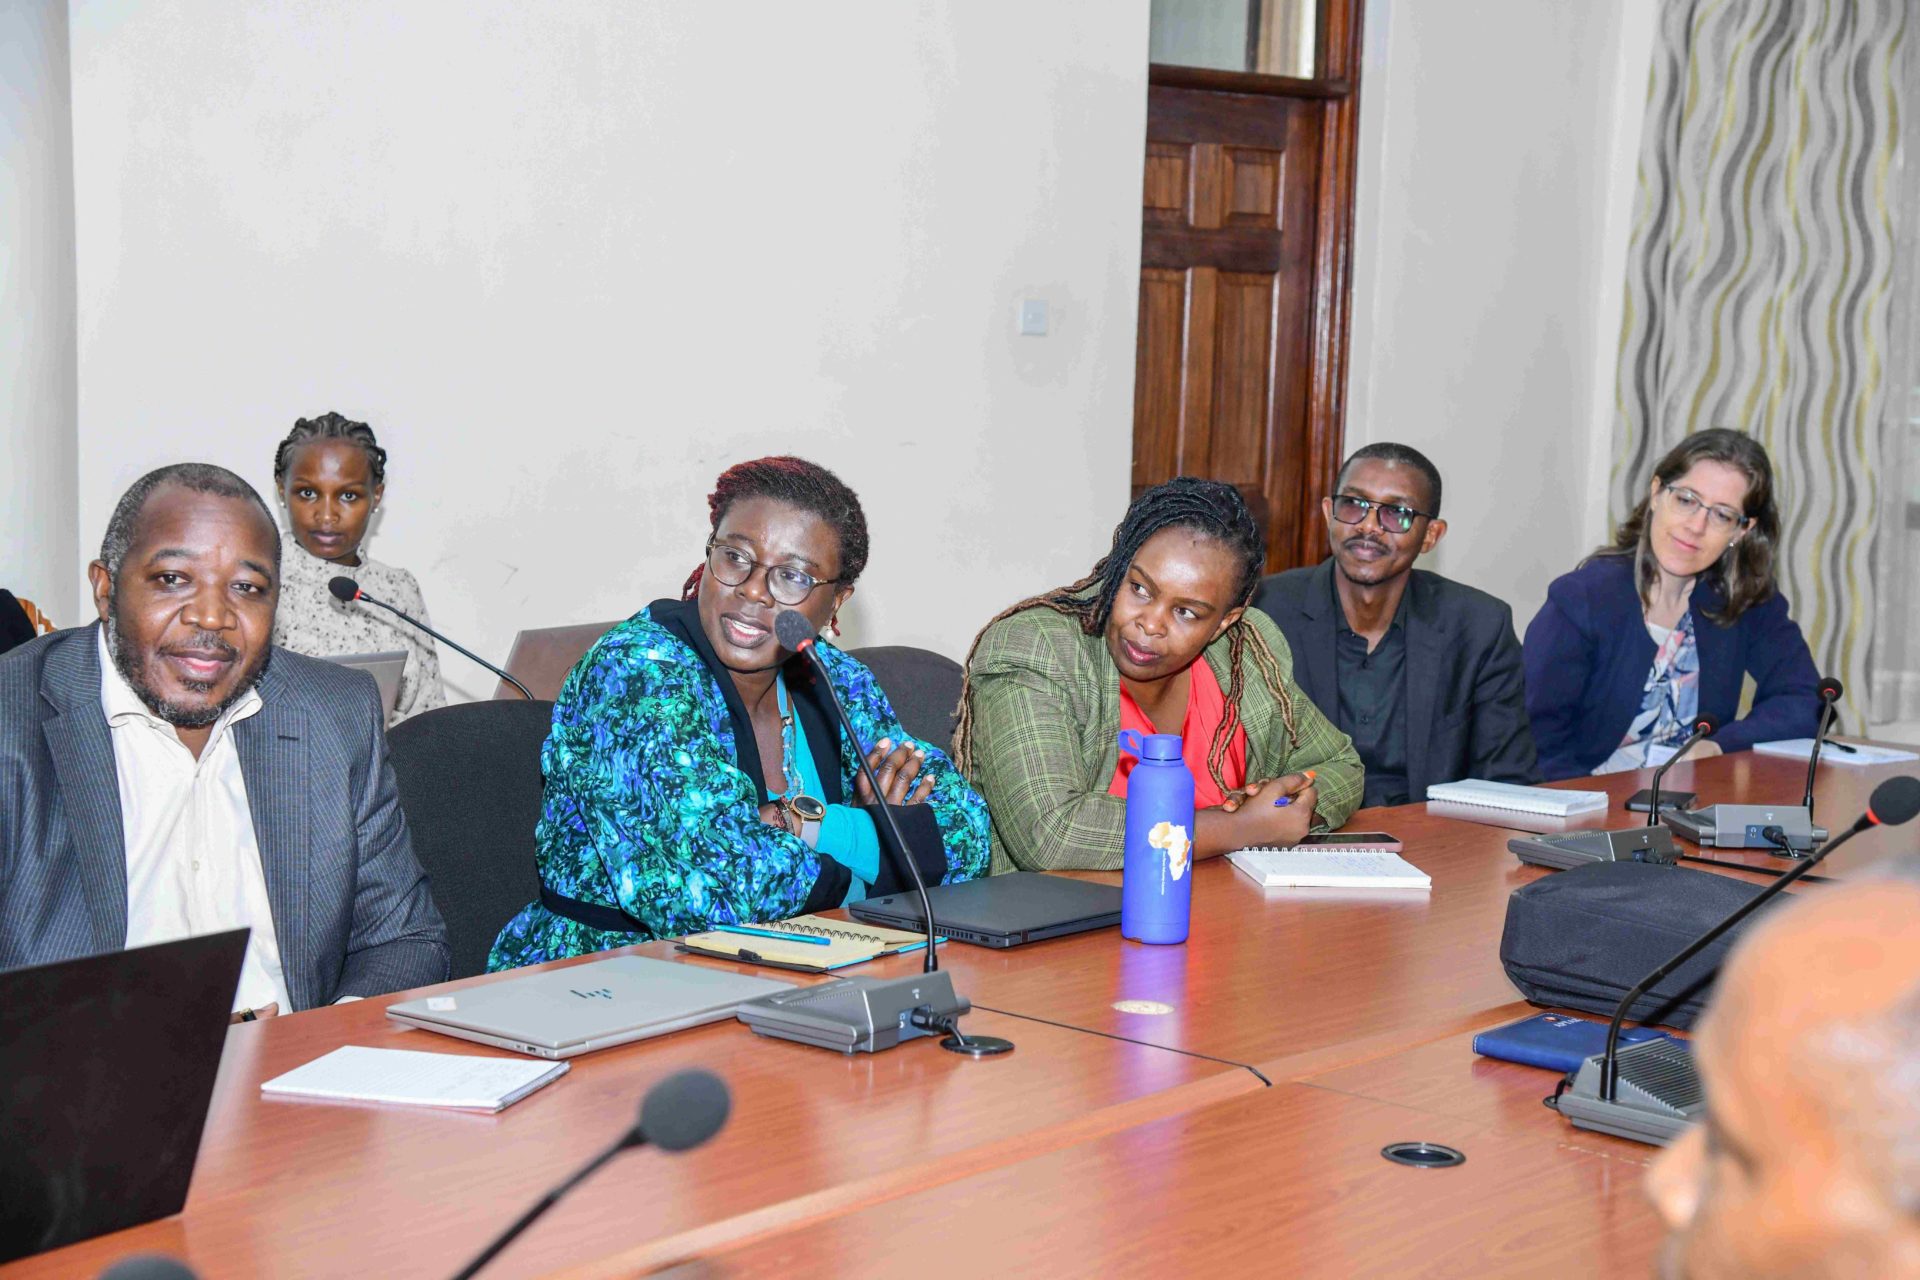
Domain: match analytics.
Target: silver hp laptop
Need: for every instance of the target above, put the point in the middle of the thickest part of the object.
(566, 1012)
(1001, 911)
(384, 667)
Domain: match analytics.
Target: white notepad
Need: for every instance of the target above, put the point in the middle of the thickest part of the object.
(1554, 801)
(1862, 754)
(1330, 869)
(355, 1073)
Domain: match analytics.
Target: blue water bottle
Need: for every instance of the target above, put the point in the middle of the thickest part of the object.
(1156, 882)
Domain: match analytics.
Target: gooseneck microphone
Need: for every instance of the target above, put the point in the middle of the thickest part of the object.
(1830, 691)
(795, 633)
(678, 1114)
(346, 590)
(1703, 725)
(1665, 1085)
(792, 630)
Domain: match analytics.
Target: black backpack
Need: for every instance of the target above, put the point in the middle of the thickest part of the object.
(1582, 938)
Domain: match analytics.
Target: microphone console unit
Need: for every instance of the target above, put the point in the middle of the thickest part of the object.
(1742, 826)
(1657, 1094)
(858, 1015)
(1577, 848)
(1793, 832)
(1649, 843)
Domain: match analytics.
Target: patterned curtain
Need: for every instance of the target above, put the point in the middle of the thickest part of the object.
(1896, 637)
(1759, 276)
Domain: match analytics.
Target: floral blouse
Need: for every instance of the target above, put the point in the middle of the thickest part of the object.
(649, 814)
(310, 621)
(1669, 702)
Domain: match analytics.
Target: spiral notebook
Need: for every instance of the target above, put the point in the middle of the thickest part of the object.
(847, 943)
(1323, 868)
(1555, 801)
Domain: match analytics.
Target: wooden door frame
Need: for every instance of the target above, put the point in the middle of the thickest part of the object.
(1338, 86)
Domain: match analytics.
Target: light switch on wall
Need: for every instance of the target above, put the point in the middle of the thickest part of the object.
(1033, 317)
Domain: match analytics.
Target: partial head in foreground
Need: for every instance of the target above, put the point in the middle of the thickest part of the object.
(331, 473)
(1384, 513)
(1709, 511)
(1808, 1163)
(186, 584)
(1178, 575)
(785, 534)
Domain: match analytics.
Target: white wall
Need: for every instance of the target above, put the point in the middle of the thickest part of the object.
(1495, 186)
(572, 260)
(37, 496)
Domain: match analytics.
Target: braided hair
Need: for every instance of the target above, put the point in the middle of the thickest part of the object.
(797, 483)
(330, 426)
(1211, 508)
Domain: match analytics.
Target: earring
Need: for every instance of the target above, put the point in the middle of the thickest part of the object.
(833, 624)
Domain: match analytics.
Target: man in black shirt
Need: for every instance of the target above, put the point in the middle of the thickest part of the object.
(1421, 672)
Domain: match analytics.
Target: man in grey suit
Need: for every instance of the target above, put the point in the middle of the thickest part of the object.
(167, 772)
(1423, 673)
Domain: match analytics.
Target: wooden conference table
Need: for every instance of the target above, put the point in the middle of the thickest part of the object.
(1230, 1116)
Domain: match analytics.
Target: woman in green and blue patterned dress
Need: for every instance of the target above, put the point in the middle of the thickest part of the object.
(696, 774)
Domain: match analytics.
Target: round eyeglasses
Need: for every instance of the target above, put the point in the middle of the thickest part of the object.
(1391, 516)
(785, 583)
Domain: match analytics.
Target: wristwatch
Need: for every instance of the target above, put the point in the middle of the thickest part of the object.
(809, 812)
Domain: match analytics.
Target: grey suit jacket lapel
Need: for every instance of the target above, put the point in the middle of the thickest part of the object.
(81, 746)
(1315, 666)
(273, 759)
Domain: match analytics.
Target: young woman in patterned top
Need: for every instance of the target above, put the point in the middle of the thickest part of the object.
(696, 773)
(331, 475)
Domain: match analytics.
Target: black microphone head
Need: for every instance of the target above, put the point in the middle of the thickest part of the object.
(1706, 724)
(344, 588)
(685, 1109)
(1894, 801)
(148, 1266)
(793, 631)
(1831, 689)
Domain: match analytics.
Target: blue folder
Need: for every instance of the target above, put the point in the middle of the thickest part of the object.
(1556, 1041)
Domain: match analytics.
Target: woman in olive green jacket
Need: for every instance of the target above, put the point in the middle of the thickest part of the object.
(1157, 638)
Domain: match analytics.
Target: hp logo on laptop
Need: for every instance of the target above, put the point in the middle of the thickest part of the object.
(599, 993)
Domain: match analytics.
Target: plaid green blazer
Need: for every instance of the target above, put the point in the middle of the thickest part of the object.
(1046, 724)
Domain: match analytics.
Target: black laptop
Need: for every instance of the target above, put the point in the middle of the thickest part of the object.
(1001, 911)
(107, 1066)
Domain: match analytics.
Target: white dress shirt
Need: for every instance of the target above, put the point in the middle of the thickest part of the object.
(193, 863)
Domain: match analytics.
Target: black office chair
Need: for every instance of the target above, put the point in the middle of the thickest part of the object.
(470, 785)
(923, 686)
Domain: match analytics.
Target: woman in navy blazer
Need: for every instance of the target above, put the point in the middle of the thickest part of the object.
(1665, 624)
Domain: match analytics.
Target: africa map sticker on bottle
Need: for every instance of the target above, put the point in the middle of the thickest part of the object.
(1171, 839)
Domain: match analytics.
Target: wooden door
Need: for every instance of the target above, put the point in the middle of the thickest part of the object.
(1241, 358)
